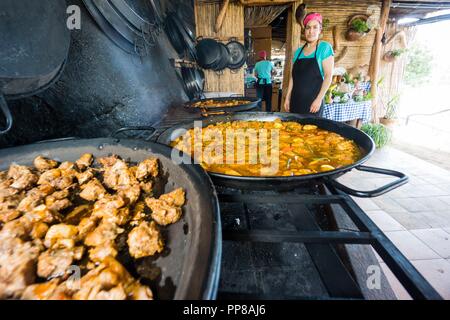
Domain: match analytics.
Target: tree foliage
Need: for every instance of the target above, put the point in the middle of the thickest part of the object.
(418, 65)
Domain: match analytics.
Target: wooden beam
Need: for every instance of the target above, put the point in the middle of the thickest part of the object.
(294, 31)
(221, 16)
(376, 57)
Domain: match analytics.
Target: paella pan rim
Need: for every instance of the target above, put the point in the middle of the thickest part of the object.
(199, 264)
(238, 108)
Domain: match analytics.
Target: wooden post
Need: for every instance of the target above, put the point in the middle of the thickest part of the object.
(376, 57)
(294, 31)
(232, 27)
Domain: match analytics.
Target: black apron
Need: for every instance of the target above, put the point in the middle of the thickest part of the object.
(307, 82)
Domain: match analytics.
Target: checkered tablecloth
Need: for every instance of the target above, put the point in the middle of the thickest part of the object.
(348, 111)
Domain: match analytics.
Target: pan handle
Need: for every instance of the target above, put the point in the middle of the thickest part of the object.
(139, 128)
(7, 113)
(403, 179)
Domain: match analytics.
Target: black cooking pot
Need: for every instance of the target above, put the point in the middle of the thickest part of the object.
(364, 142)
(191, 269)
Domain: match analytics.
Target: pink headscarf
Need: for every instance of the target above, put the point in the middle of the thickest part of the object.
(262, 54)
(312, 16)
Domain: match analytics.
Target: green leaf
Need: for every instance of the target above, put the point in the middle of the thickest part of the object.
(378, 132)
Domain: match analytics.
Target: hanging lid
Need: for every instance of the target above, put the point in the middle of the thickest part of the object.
(34, 44)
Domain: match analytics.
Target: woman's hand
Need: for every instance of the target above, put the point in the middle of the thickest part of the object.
(315, 106)
(287, 104)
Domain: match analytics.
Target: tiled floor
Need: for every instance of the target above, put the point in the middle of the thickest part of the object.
(416, 216)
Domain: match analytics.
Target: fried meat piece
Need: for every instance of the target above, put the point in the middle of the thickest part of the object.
(17, 266)
(50, 290)
(174, 198)
(146, 187)
(57, 262)
(44, 214)
(108, 161)
(8, 208)
(58, 201)
(85, 176)
(111, 209)
(106, 249)
(19, 228)
(43, 164)
(145, 240)
(57, 178)
(104, 233)
(130, 193)
(74, 217)
(34, 198)
(86, 226)
(93, 190)
(118, 176)
(167, 209)
(85, 161)
(39, 230)
(147, 168)
(111, 281)
(138, 213)
(22, 177)
(61, 236)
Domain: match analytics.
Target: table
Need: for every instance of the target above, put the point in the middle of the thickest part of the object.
(348, 111)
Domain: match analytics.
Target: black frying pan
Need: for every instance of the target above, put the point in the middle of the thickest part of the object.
(190, 270)
(245, 106)
(365, 143)
(238, 54)
(208, 53)
(174, 35)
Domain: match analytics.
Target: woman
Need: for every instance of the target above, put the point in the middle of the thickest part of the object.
(311, 72)
(264, 70)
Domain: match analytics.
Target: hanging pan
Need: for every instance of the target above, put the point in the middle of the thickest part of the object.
(238, 54)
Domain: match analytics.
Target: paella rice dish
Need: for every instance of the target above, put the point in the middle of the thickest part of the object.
(263, 148)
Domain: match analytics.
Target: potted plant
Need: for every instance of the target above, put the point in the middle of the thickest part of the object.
(392, 55)
(390, 117)
(379, 133)
(358, 27)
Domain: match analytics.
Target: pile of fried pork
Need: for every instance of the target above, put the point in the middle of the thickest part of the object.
(57, 217)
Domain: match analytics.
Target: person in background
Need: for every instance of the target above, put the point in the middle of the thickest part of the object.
(312, 71)
(264, 70)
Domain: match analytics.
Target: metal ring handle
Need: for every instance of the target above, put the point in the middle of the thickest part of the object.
(139, 128)
(7, 113)
(403, 179)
